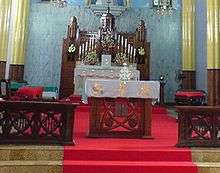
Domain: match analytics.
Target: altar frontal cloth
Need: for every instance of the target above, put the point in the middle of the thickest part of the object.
(116, 88)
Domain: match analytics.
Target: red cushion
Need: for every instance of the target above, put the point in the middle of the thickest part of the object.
(30, 92)
(189, 94)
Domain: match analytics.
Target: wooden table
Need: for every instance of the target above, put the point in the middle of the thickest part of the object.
(120, 117)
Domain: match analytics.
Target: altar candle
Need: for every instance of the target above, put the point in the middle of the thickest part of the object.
(83, 50)
(122, 40)
(118, 41)
(126, 42)
(129, 50)
(80, 50)
(90, 43)
(134, 55)
(77, 34)
(86, 46)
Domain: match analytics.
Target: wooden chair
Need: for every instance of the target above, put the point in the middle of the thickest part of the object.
(4, 89)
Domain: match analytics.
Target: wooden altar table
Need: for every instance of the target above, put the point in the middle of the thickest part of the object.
(121, 109)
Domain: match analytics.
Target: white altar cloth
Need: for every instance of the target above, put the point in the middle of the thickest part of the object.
(83, 72)
(116, 88)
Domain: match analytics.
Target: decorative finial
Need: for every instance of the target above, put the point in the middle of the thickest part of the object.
(108, 2)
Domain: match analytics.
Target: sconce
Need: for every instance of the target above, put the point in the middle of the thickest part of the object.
(163, 7)
(59, 3)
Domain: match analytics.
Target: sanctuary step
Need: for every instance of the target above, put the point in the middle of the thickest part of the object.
(49, 159)
(128, 167)
(30, 159)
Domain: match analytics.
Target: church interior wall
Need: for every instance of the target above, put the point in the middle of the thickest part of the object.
(48, 27)
(201, 48)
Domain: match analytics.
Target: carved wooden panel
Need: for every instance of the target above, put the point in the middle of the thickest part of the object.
(36, 122)
(120, 117)
(67, 72)
(198, 126)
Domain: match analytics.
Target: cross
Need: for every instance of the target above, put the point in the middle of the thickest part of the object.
(108, 2)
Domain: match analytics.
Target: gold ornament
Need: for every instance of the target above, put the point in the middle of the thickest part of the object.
(97, 89)
(122, 88)
(144, 90)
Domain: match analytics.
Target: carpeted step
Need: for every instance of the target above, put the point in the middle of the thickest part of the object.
(128, 167)
(155, 109)
(128, 155)
(159, 110)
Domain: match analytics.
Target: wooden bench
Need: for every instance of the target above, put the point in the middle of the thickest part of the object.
(190, 97)
(33, 122)
(198, 126)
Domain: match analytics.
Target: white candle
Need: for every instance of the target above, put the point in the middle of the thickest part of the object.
(90, 43)
(129, 49)
(80, 50)
(86, 46)
(126, 42)
(122, 40)
(77, 34)
(83, 50)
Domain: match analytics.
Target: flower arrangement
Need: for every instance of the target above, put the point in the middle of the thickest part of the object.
(125, 74)
(91, 58)
(141, 51)
(108, 41)
(120, 58)
(71, 48)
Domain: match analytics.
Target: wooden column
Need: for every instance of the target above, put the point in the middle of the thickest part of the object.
(68, 61)
(2, 69)
(16, 72)
(213, 55)
(188, 44)
(189, 80)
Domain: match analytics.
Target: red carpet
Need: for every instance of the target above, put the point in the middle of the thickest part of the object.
(98, 155)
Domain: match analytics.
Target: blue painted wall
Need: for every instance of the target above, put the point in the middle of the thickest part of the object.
(201, 51)
(48, 27)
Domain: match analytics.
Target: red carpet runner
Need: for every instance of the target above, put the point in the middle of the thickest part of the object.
(128, 155)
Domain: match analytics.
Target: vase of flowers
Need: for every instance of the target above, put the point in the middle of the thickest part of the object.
(71, 50)
(120, 58)
(91, 58)
(141, 51)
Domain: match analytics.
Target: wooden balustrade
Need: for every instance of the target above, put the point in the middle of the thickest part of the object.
(199, 126)
(36, 122)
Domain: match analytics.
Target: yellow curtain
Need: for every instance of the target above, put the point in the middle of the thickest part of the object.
(213, 34)
(188, 35)
(20, 31)
(5, 6)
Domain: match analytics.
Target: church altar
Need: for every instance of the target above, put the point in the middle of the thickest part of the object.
(83, 72)
(116, 88)
(121, 108)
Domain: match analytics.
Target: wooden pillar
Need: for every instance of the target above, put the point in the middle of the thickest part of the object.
(213, 56)
(16, 72)
(188, 44)
(2, 69)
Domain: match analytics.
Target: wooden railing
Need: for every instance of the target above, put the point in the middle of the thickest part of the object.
(36, 122)
(199, 126)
